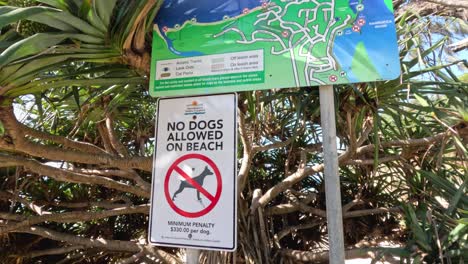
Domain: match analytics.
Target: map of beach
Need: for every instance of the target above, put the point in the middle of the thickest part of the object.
(215, 46)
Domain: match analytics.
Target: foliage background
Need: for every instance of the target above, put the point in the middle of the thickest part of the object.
(75, 162)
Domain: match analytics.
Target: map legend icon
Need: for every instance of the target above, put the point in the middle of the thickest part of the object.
(271, 44)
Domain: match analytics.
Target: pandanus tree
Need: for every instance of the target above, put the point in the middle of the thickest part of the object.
(76, 144)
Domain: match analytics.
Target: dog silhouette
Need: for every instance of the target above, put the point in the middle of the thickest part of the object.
(198, 179)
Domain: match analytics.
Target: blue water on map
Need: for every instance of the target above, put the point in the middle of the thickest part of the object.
(353, 5)
(204, 11)
(170, 45)
(374, 39)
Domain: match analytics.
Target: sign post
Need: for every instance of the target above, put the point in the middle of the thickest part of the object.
(193, 201)
(332, 180)
(192, 256)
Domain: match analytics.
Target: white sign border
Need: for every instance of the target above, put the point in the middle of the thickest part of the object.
(173, 245)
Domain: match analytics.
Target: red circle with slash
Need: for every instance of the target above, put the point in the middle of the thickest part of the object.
(176, 170)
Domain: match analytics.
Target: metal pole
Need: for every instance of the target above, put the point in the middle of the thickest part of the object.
(332, 180)
(192, 256)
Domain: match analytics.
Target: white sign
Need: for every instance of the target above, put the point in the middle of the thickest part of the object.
(193, 200)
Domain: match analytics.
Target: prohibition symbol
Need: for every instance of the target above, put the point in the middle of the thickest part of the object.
(196, 183)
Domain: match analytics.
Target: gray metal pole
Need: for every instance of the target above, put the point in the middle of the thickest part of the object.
(332, 180)
(192, 256)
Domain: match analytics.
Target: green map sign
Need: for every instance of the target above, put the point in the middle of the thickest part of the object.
(217, 46)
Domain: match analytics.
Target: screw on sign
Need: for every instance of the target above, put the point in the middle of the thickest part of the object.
(165, 29)
(197, 183)
(285, 34)
(245, 11)
(333, 78)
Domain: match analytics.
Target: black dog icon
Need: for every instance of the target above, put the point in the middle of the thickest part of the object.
(198, 179)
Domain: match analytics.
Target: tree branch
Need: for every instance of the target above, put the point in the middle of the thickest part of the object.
(101, 127)
(102, 204)
(67, 143)
(459, 46)
(371, 161)
(310, 257)
(286, 231)
(423, 8)
(21, 144)
(113, 245)
(296, 177)
(247, 155)
(16, 198)
(287, 183)
(294, 207)
(70, 217)
(53, 251)
(114, 141)
(68, 176)
(359, 213)
(302, 173)
(11, 217)
(450, 3)
(134, 44)
(133, 259)
(37, 206)
(122, 151)
(106, 172)
(351, 204)
(404, 143)
(57, 154)
(130, 174)
(274, 145)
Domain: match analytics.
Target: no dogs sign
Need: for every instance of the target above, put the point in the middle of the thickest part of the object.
(193, 201)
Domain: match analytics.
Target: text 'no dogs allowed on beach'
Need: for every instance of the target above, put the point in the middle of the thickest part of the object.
(193, 201)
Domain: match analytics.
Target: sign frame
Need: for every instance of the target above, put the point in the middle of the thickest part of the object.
(253, 46)
(153, 202)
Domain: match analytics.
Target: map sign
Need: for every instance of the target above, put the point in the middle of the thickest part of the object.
(194, 190)
(216, 46)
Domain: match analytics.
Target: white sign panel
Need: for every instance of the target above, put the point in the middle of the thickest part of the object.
(193, 201)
